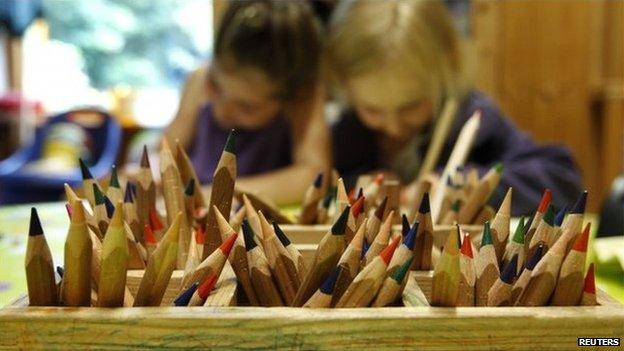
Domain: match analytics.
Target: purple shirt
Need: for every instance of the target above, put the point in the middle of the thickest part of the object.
(528, 168)
(257, 151)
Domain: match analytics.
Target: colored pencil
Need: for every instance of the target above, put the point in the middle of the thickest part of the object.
(405, 226)
(424, 237)
(238, 256)
(114, 192)
(375, 221)
(486, 267)
(295, 255)
(264, 286)
(221, 193)
(405, 251)
(500, 226)
(42, 289)
(467, 276)
(160, 266)
(237, 220)
(446, 274)
(480, 194)
(536, 220)
(102, 209)
(354, 216)
(309, 208)
(145, 190)
(155, 223)
(114, 267)
(515, 247)
(342, 200)
(543, 232)
(349, 264)
(573, 223)
(137, 253)
(185, 297)
(500, 292)
(523, 280)
(150, 240)
(569, 287)
(187, 172)
(381, 241)
(588, 298)
(283, 268)
(76, 283)
(393, 286)
(254, 221)
(326, 257)
(174, 201)
(204, 289)
(130, 214)
(322, 298)
(194, 255)
(88, 182)
(368, 281)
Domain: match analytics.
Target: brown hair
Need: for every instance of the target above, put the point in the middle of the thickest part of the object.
(280, 38)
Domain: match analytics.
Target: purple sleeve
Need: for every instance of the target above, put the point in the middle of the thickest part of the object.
(528, 167)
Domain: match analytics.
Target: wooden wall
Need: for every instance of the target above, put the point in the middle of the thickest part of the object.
(555, 67)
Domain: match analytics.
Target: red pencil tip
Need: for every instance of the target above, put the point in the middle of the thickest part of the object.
(155, 222)
(357, 207)
(581, 242)
(386, 254)
(148, 235)
(379, 178)
(350, 195)
(543, 206)
(226, 247)
(590, 281)
(466, 248)
(206, 287)
(200, 235)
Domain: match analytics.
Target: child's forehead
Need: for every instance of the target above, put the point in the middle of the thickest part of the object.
(387, 88)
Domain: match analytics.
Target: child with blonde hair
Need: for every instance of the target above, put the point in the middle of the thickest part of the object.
(399, 65)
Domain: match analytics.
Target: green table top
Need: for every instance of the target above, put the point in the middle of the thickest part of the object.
(14, 221)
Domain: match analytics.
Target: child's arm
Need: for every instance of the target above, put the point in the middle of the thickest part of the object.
(194, 95)
(310, 154)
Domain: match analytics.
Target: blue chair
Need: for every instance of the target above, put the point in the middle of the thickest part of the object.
(20, 185)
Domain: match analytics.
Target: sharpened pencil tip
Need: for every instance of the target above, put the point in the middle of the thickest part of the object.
(281, 235)
(110, 208)
(35, 224)
(248, 235)
(581, 242)
(589, 285)
(230, 143)
(114, 179)
(86, 173)
(358, 206)
(341, 223)
(145, 163)
(487, 235)
(318, 180)
(466, 248)
(579, 205)
(227, 245)
(190, 188)
(386, 254)
(206, 287)
(560, 216)
(405, 226)
(328, 285)
(424, 204)
(185, 297)
(545, 201)
(549, 217)
(381, 208)
(128, 198)
(509, 272)
(410, 239)
(97, 193)
(399, 274)
(537, 256)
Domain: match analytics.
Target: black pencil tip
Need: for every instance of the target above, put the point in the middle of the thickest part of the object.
(128, 198)
(379, 212)
(248, 234)
(341, 223)
(318, 180)
(424, 204)
(281, 235)
(110, 208)
(190, 188)
(537, 255)
(35, 224)
(145, 158)
(114, 179)
(405, 226)
(579, 206)
(230, 144)
(86, 174)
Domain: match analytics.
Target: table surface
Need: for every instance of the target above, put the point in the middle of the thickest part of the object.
(14, 221)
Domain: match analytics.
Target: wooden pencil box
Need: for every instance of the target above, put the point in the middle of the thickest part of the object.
(229, 327)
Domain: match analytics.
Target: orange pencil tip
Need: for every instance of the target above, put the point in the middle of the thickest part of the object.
(386, 254)
(581, 243)
(356, 209)
(200, 235)
(590, 281)
(148, 235)
(379, 178)
(206, 287)
(543, 206)
(155, 222)
(466, 248)
(227, 245)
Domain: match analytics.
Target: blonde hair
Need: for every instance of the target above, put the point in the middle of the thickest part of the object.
(419, 34)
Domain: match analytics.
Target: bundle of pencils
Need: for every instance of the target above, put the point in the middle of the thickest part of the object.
(550, 271)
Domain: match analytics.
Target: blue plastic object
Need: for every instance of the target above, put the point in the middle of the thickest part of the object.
(20, 185)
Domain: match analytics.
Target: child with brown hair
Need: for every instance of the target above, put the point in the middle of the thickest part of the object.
(264, 82)
(400, 64)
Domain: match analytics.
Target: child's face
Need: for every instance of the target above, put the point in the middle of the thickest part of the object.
(242, 99)
(388, 101)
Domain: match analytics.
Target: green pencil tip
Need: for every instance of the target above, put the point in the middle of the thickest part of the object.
(518, 236)
(341, 223)
(114, 180)
(399, 274)
(97, 193)
(487, 235)
(230, 144)
(549, 217)
(498, 167)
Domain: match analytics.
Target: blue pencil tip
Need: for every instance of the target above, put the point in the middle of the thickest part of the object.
(327, 287)
(184, 298)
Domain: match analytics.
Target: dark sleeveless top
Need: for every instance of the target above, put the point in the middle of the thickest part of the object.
(257, 151)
